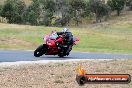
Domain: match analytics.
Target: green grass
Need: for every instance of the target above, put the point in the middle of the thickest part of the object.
(106, 40)
(111, 39)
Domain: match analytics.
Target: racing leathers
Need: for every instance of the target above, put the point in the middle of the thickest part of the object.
(67, 39)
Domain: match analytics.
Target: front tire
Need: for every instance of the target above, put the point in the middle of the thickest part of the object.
(39, 51)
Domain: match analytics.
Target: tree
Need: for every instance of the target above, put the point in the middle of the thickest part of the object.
(117, 5)
(99, 8)
(13, 11)
(8, 11)
(1, 9)
(48, 9)
(87, 10)
(32, 13)
(77, 8)
(62, 12)
(47, 18)
(129, 4)
(20, 8)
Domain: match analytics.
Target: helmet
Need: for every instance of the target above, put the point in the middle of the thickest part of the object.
(65, 30)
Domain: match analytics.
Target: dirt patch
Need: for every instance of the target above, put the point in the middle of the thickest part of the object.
(61, 75)
(14, 42)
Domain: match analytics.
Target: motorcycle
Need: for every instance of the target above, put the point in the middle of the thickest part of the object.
(50, 47)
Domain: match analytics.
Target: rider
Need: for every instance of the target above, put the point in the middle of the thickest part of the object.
(67, 36)
(68, 39)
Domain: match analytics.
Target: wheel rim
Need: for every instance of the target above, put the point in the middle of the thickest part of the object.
(37, 53)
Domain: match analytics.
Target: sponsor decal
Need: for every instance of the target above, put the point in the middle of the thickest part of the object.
(82, 78)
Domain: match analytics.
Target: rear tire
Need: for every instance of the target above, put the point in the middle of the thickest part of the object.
(61, 55)
(39, 51)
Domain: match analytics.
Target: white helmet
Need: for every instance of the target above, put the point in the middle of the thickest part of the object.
(65, 30)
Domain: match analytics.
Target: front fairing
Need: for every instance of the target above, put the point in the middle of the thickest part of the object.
(46, 38)
(49, 41)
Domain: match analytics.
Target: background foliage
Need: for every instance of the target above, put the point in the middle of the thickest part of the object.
(60, 12)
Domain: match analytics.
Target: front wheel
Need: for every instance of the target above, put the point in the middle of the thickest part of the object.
(39, 51)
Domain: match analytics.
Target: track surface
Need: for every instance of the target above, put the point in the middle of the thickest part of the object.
(19, 55)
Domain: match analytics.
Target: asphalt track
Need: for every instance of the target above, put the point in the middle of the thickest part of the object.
(19, 55)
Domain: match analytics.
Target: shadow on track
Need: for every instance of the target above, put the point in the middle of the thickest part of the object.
(54, 58)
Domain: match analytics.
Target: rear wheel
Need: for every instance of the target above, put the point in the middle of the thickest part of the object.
(39, 51)
(61, 55)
